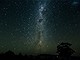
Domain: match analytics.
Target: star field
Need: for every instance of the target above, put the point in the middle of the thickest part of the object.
(19, 23)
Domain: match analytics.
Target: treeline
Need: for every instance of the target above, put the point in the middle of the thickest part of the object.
(63, 49)
(11, 56)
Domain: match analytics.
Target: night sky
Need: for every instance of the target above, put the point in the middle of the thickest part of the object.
(38, 26)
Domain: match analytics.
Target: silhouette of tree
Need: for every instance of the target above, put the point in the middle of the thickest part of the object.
(9, 53)
(64, 50)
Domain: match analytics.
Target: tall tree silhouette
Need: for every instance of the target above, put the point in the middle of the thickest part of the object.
(64, 50)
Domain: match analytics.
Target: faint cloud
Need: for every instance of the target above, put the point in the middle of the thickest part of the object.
(75, 3)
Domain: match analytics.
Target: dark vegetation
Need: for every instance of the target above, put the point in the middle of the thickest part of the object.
(64, 53)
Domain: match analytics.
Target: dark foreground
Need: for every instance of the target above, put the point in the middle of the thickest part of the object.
(11, 56)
